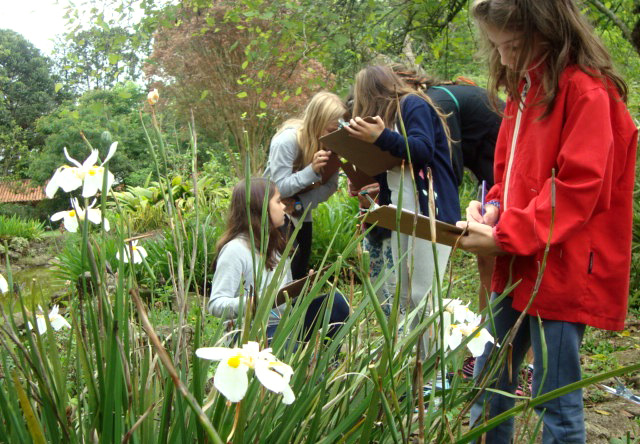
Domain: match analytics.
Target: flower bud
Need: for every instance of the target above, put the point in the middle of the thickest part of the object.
(153, 97)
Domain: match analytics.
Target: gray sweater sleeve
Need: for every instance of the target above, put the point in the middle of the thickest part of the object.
(282, 155)
(283, 152)
(233, 273)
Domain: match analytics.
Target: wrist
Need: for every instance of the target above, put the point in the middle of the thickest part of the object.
(495, 203)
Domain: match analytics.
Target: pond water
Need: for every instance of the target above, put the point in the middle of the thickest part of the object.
(37, 286)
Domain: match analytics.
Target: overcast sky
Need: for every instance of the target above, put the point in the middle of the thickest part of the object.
(39, 21)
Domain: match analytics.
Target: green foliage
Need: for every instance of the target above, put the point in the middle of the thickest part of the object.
(26, 93)
(199, 245)
(40, 211)
(114, 110)
(14, 226)
(242, 78)
(145, 207)
(100, 57)
(334, 225)
(69, 264)
(109, 380)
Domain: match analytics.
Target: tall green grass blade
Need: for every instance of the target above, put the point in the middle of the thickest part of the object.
(35, 429)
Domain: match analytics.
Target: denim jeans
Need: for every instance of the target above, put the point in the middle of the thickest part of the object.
(563, 417)
(339, 314)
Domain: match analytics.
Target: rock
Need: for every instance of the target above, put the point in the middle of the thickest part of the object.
(18, 244)
(597, 431)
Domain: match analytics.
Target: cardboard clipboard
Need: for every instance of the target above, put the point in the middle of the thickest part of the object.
(367, 157)
(357, 178)
(385, 216)
(294, 288)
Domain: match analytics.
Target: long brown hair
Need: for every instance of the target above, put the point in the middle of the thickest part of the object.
(323, 109)
(239, 222)
(559, 29)
(376, 91)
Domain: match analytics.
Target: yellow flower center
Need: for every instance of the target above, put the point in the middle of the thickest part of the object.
(72, 213)
(234, 361)
(134, 248)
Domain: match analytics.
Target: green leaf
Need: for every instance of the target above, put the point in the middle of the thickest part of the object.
(263, 105)
(124, 94)
(204, 94)
(97, 107)
(298, 91)
(241, 95)
(113, 59)
(58, 87)
(245, 64)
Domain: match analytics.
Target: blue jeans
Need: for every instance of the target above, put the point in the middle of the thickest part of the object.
(339, 314)
(563, 416)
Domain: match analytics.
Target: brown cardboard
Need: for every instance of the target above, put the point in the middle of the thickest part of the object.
(294, 288)
(367, 157)
(357, 178)
(385, 216)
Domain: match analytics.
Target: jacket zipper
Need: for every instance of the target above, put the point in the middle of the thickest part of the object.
(514, 139)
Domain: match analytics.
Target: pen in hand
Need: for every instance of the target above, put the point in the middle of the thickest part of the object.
(365, 193)
(483, 194)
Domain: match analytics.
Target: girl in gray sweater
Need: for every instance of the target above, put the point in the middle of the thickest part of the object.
(233, 278)
(306, 174)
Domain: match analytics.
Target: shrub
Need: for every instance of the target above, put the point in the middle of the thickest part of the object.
(14, 226)
(145, 207)
(334, 226)
(69, 265)
(163, 249)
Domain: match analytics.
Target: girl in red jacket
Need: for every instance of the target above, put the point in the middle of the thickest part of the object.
(565, 112)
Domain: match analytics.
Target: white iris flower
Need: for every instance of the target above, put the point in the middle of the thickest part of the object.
(459, 310)
(231, 377)
(76, 214)
(55, 319)
(4, 286)
(454, 333)
(86, 174)
(139, 253)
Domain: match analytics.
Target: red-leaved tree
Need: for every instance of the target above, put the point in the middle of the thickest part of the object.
(242, 76)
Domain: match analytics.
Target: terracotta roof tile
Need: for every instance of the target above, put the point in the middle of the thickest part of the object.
(21, 191)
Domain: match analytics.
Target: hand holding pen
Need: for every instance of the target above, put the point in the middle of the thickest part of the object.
(481, 211)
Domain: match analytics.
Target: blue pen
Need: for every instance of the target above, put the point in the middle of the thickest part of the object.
(483, 195)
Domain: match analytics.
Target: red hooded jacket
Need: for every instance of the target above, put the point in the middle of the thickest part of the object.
(590, 140)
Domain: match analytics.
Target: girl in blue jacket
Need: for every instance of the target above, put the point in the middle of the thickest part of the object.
(377, 90)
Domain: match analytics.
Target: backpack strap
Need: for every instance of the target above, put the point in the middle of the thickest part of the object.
(450, 95)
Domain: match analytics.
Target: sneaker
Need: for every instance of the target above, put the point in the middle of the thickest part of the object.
(526, 380)
(426, 389)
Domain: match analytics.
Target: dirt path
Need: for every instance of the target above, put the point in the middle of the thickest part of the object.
(609, 417)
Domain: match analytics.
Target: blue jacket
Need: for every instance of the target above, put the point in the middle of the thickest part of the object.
(428, 147)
